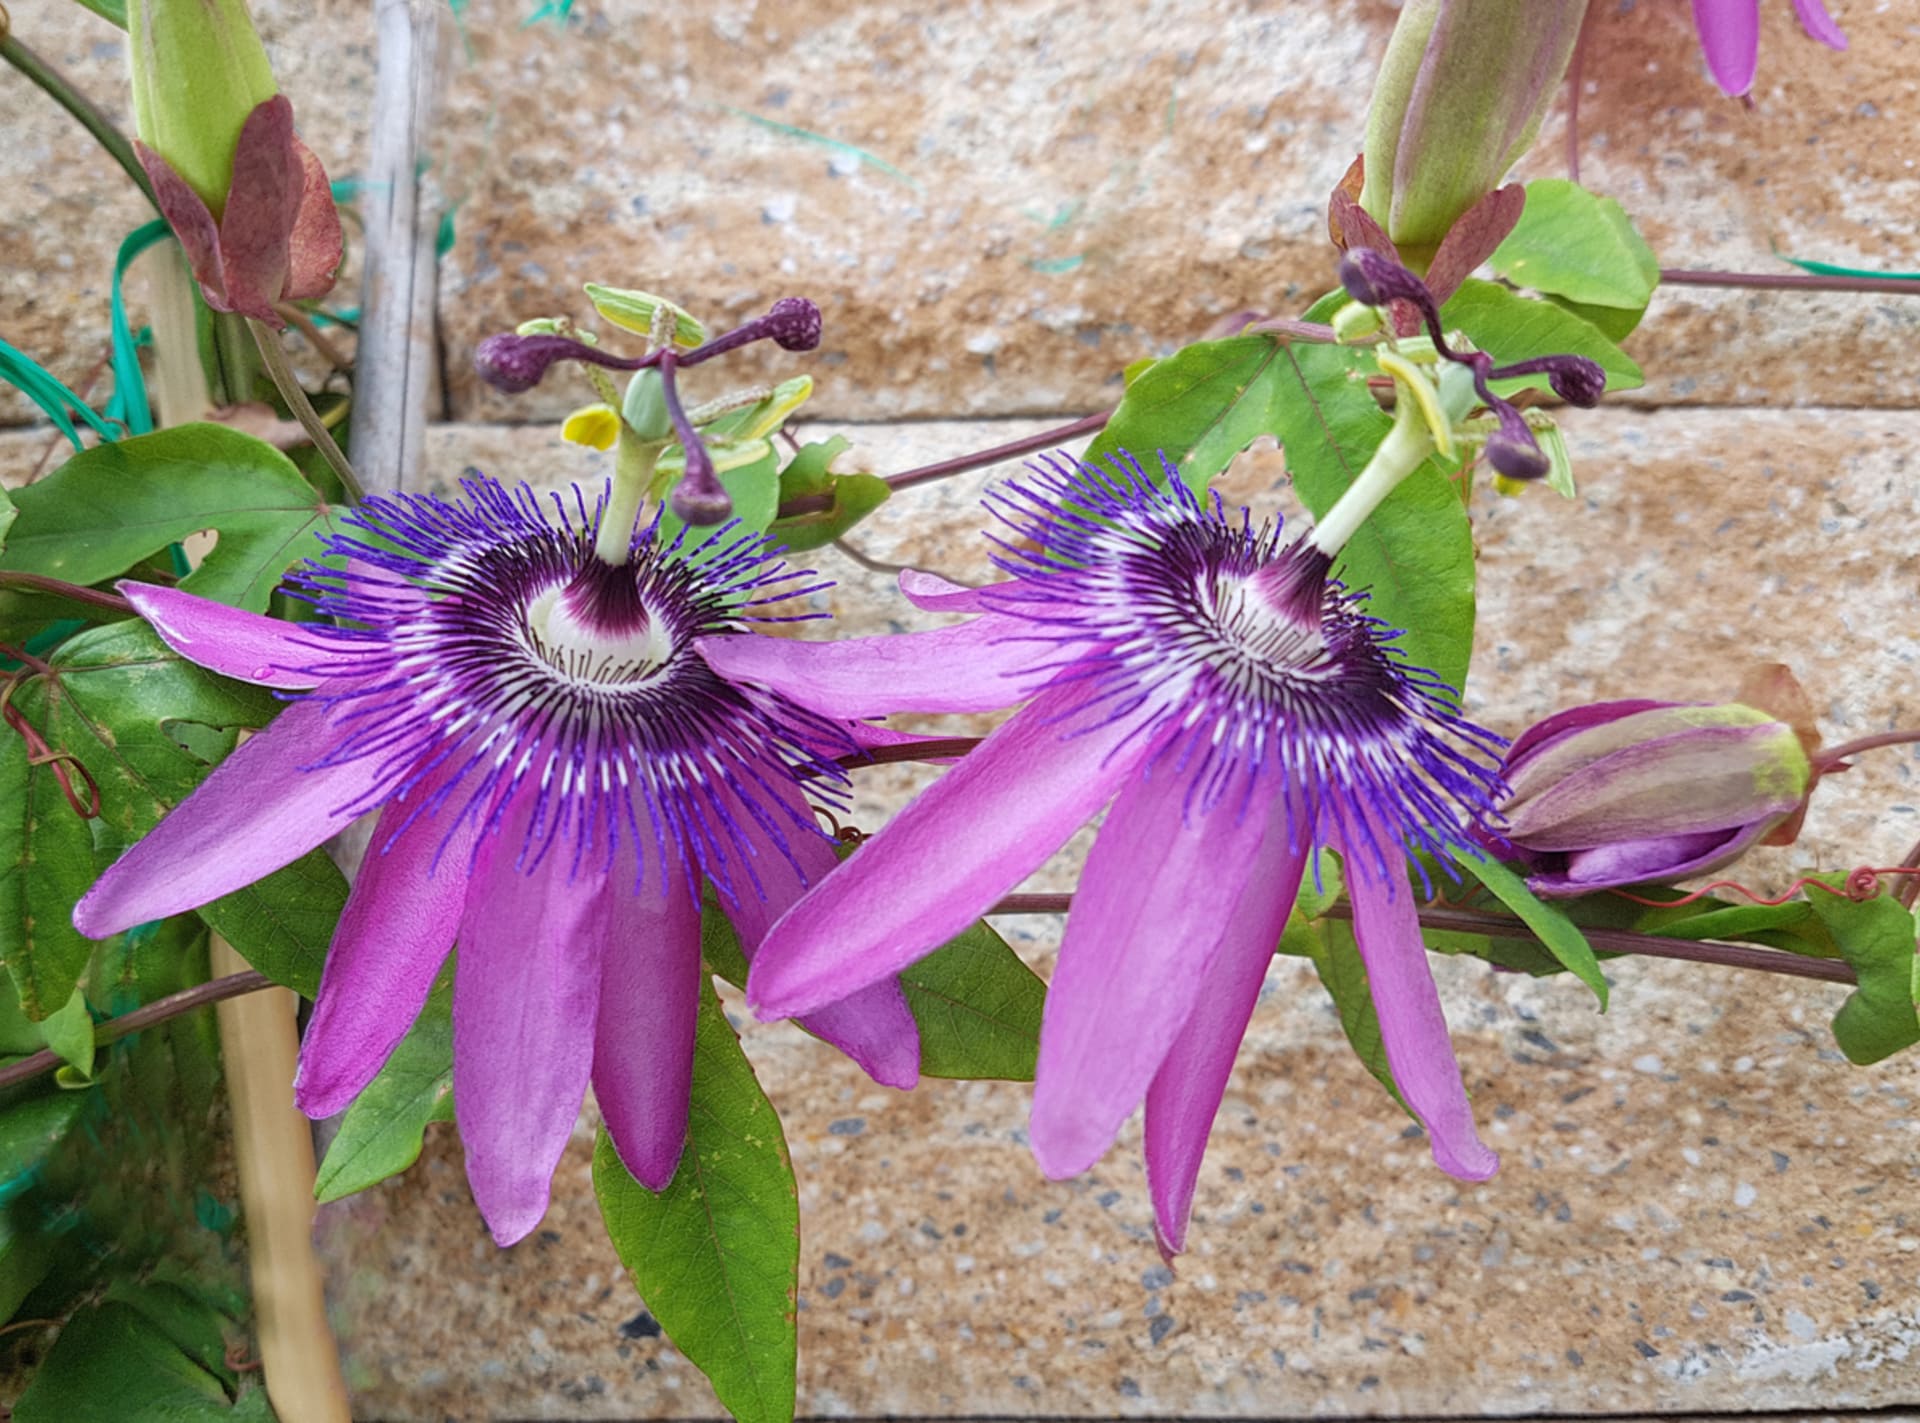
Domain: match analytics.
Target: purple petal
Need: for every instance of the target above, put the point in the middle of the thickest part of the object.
(991, 662)
(1186, 1091)
(933, 594)
(1818, 24)
(1730, 40)
(650, 981)
(872, 1025)
(1638, 861)
(230, 641)
(262, 808)
(261, 206)
(1154, 903)
(1412, 1027)
(399, 924)
(940, 863)
(526, 985)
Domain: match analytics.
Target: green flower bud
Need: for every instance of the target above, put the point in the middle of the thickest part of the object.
(1460, 97)
(198, 71)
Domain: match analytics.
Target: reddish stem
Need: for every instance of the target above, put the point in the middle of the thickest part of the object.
(158, 1011)
(1789, 281)
(72, 592)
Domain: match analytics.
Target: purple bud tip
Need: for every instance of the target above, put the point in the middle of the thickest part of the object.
(1376, 279)
(1516, 454)
(1578, 381)
(794, 323)
(516, 363)
(700, 500)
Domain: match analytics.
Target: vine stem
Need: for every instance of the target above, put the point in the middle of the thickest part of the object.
(1624, 941)
(158, 1011)
(56, 87)
(275, 357)
(72, 592)
(1830, 757)
(962, 464)
(1788, 281)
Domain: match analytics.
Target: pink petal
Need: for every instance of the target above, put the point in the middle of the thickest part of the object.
(526, 987)
(192, 223)
(1557, 728)
(1412, 1027)
(873, 1025)
(991, 662)
(940, 863)
(230, 641)
(261, 206)
(315, 246)
(1186, 1091)
(260, 809)
(933, 594)
(650, 982)
(1154, 903)
(1730, 40)
(398, 926)
(1818, 24)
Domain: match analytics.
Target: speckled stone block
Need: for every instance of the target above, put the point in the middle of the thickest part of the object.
(1703, 1207)
(999, 207)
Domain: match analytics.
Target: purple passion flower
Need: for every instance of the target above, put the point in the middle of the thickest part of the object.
(1237, 710)
(1730, 37)
(556, 766)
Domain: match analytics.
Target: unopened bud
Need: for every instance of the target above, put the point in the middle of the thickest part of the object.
(1639, 792)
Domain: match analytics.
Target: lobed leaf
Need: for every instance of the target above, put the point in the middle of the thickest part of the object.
(108, 508)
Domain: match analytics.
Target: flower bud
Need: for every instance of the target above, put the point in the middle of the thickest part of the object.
(1638, 792)
(198, 71)
(1460, 96)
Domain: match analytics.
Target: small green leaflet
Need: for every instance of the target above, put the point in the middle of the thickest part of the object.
(1574, 244)
(381, 1134)
(976, 1004)
(716, 1256)
(1511, 327)
(108, 508)
(69, 1032)
(1336, 958)
(1876, 938)
(978, 1007)
(1550, 924)
(853, 496)
(7, 515)
(46, 864)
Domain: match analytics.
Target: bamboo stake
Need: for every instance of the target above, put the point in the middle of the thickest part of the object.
(273, 1152)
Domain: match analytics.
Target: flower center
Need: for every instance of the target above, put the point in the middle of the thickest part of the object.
(596, 630)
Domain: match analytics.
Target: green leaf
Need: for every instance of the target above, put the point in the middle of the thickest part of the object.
(114, 12)
(1199, 407)
(46, 864)
(112, 1361)
(381, 1134)
(108, 508)
(1550, 924)
(1575, 244)
(1336, 958)
(283, 924)
(1613, 322)
(716, 1256)
(7, 515)
(1511, 327)
(1876, 938)
(1414, 554)
(69, 1032)
(978, 1007)
(1321, 886)
(854, 497)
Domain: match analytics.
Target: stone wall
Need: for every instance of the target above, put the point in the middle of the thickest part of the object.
(1703, 1207)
